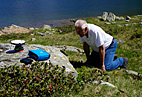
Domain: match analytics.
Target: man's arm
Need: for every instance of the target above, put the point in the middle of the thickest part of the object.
(102, 56)
(87, 51)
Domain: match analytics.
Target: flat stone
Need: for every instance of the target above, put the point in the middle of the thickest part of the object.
(104, 83)
(107, 23)
(56, 57)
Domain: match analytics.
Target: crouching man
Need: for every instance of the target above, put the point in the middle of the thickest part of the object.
(103, 47)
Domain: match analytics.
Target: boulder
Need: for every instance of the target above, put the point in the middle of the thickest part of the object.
(128, 17)
(108, 16)
(56, 57)
(104, 16)
(111, 17)
(44, 27)
(31, 28)
(14, 29)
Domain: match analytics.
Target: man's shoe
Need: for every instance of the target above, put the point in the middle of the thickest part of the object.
(125, 62)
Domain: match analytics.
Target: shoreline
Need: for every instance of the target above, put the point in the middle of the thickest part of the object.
(55, 23)
(52, 23)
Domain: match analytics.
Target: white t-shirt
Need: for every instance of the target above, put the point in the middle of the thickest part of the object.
(96, 38)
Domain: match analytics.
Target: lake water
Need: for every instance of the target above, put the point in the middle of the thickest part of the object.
(35, 13)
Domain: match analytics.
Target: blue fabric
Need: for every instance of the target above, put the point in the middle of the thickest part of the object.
(39, 54)
(110, 63)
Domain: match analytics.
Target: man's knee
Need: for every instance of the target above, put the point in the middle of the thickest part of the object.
(107, 68)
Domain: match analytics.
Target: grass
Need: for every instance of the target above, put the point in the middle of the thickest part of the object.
(127, 85)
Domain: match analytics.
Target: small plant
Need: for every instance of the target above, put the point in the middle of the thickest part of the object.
(42, 79)
(136, 34)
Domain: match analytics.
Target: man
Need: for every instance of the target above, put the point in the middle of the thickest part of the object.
(103, 47)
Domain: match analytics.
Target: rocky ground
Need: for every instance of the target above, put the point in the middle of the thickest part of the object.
(8, 58)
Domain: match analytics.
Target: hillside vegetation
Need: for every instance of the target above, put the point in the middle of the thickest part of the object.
(129, 37)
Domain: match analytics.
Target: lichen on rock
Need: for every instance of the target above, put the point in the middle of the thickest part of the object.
(56, 57)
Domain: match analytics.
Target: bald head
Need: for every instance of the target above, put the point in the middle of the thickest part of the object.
(81, 24)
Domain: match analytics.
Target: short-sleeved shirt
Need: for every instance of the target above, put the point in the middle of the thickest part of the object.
(96, 37)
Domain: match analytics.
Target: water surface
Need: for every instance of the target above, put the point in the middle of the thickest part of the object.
(35, 13)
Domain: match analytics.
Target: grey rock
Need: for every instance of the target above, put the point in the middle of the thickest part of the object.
(56, 57)
(120, 41)
(14, 29)
(99, 17)
(128, 17)
(108, 16)
(111, 17)
(47, 32)
(139, 15)
(96, 82)
(107, 83)
(9, 40)
(127, 20)
(104, 83)
(33, 39)
(133, 73)
(72, 20)
(13, 26)
(134, 23)
(46, 27)
(140, 23)
(113, 22)
(31, 28)
(2, 64)
(104, 16)
(107, 23)
(119, 25)
(126, 24)
(69, 48)
(60, 31)
(41, 34)
(119, 18)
